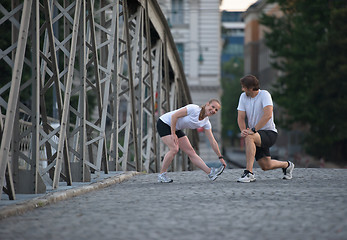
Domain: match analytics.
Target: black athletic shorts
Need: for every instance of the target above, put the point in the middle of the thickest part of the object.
(268, 138)
(164, 129)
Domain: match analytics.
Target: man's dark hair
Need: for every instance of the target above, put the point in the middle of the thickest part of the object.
(250, 82)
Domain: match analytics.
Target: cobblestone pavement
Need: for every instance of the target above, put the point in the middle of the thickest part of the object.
(313, 205)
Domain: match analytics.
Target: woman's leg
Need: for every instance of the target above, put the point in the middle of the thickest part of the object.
(173, 149)
(186, 147)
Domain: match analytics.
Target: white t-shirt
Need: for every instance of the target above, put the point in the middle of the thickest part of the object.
(190, 121)
(254, 109)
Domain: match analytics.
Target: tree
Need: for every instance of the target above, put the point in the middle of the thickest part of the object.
(332, 102)
(308, 44)
(232, 72)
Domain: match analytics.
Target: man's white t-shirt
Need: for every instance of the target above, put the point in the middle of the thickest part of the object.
(191, 121)
(254, 109)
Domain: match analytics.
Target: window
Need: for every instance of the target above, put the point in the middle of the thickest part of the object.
(234, 49)
(177, 12)
(180, 49)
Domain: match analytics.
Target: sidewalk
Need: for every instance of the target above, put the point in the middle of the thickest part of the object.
(26, 202)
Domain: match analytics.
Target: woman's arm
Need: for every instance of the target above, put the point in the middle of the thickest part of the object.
(214, 145)
(180, 113)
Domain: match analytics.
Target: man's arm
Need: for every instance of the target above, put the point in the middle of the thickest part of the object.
(241, 121)
(265, 118)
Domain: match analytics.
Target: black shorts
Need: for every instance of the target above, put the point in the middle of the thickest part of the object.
(268, 138)
(163, 129)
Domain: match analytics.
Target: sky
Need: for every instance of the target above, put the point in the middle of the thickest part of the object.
(236, 5)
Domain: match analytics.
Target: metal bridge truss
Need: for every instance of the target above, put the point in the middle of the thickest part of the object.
(112, 68)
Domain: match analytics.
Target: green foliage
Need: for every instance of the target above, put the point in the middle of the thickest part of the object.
(309, 44)
(232, 72)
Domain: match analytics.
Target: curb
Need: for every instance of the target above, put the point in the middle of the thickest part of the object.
(62, 195)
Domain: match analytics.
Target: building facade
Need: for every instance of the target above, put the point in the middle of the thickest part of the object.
(196, 29)
(257, 55)
(232, 35)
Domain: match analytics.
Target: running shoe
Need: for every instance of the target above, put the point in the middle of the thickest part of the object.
(247, 177)
(288, 171)
(215, 172)
(164, 179)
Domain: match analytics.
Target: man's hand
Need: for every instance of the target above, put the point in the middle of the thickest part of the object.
(246, 132)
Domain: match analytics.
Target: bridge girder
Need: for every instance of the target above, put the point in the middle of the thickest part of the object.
(111, 68)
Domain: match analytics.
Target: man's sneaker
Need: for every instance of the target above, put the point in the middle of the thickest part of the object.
(164, 179)
(247, 177)
(215, 172)
(288, 171)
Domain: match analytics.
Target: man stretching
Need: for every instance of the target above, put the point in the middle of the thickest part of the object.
(261, 133)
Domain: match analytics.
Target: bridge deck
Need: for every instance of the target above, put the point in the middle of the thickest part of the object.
(312, 205)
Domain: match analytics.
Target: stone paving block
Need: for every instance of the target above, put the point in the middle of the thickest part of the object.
(312, 205)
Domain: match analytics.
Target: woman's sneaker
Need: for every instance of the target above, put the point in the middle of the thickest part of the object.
(215, 172)
(288, 171)
(164, 179)
(247, 177)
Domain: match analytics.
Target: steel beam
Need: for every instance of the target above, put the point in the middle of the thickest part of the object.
(14, 91)
(119, 53)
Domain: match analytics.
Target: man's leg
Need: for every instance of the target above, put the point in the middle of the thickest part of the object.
(266, 163)
(251, 142)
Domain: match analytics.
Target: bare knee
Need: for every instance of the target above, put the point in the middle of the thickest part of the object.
(249, 140)
(173, 151)
(265, 167)
(265, 164)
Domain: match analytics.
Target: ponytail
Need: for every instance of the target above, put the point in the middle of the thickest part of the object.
(202, 112)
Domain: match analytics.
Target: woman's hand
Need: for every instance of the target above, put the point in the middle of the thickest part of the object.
(223, 162)
(174, 138)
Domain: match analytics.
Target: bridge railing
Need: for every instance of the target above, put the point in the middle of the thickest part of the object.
(83, 84)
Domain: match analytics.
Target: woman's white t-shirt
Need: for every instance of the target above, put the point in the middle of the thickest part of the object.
(254, 109)
(191, 121)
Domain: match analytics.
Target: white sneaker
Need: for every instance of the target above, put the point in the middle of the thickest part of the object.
(215, 172)
(288, 171)
(164, 179)
(247, 177)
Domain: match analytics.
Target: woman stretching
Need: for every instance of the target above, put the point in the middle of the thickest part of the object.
(191, 116)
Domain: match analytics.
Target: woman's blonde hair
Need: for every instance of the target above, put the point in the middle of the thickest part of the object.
(215, 100)
(202, 112)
